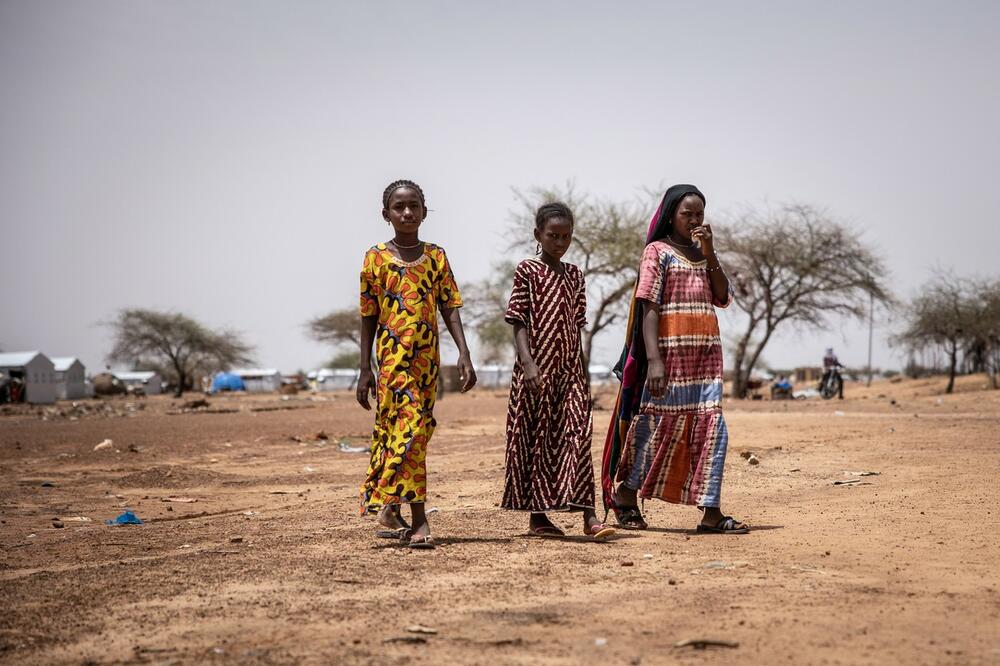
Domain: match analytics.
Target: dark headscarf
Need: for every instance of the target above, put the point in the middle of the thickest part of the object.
(663, 220)
(631, 367)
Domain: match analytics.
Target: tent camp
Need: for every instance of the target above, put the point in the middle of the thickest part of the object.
(334, 379)
(227, 381)
(71, 378)
(32, 373)
(259, 380)
(147, 380)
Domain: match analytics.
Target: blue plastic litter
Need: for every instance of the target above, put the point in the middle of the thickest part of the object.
(127, 518)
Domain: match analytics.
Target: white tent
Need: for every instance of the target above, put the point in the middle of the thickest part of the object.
(334, 379)
(259, 380)
(493, 376)
(148, 380)
(35, 370)
(71, 377)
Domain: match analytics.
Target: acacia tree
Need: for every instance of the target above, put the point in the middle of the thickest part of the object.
(794, 265)
(954, 315)
(337, 328)
(175, 341)
(485, 303)
(608, 239)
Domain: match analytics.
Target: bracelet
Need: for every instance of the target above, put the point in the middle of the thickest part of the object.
(717, 268)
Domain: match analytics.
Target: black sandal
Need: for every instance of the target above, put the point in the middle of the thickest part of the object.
(630, 518)
(726, 525)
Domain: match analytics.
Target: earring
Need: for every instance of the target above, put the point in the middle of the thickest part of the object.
(538, 248)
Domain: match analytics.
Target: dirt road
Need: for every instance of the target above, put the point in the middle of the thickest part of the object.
(272, 564)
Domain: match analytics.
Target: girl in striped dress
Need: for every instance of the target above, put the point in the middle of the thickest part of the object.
(669, 438)
(549, 427)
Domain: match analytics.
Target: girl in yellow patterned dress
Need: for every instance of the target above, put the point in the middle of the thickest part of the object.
(404, 282)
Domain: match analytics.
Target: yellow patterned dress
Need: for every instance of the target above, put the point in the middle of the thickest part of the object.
(405, 296)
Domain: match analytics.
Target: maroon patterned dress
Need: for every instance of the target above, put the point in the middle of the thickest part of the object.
(549, 467)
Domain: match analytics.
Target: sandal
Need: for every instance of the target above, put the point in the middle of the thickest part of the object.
(421, 542)
(398, 533)
(547, 531)
(630, 518)
(599, 531)
(726, 525)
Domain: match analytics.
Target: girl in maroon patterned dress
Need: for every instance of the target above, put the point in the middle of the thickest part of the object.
(549, 426)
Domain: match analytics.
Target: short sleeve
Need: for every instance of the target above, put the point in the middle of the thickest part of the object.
(650, 275)
(519, 305)
(371, 290)
(729, 298)
(448, 295)
(581, 301)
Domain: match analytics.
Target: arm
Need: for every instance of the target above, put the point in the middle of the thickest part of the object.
(655, 373)
(453, 320)
(716, 276)
(366, 379)
(531, 378)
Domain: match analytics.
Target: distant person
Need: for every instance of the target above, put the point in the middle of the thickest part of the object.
(668, 438)
(404, 282)
(830, 365)
(549, 426)
(781, 389)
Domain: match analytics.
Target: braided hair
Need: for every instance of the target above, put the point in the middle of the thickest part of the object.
(551, 210)
(397, 184)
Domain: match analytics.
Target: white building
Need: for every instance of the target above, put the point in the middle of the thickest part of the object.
(334, 379)
(148, 380)
(493, 376)
(35, 370)
(71, 378)
(259, 380)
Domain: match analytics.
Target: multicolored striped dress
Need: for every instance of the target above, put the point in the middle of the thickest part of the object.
(675, 448)
(549, 466)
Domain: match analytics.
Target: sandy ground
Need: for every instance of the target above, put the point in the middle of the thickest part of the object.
(272, 563)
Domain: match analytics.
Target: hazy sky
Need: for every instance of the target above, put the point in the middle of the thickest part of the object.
(227, 159)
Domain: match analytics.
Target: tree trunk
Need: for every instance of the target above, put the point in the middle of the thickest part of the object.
(739, 381)
(952, 362)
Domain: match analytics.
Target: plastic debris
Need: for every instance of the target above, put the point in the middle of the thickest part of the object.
(106, 444)
(126, 518)
(421, 629)
(183, 500)
(345, 447)
(600, 642)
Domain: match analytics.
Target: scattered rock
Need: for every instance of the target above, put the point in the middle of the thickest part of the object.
(600, 642)
(626, 563)
(181, 500)
(58, 524)
(753, 459)
(321, 435)
(420, 629)
(48, 484)
(236, 539)
(106, 444)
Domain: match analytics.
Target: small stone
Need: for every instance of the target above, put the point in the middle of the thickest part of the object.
(58, 524)
(626, 563)
(236, 539)
(600, 642)
(671, 582)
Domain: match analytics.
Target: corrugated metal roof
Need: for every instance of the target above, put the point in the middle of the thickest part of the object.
(63, 363)
(256, 372)
(17, 359)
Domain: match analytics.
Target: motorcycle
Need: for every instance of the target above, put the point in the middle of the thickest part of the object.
(831, 384)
